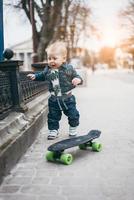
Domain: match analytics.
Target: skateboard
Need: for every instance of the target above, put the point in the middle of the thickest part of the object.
(56, 151)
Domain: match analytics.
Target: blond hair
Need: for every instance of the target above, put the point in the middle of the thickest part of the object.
(57, 47)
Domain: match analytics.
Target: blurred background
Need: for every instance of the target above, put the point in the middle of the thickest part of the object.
(98, 33)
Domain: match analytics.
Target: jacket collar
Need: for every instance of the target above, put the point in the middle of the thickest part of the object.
(64, 65)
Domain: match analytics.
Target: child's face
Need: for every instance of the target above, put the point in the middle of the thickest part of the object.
(55, 60)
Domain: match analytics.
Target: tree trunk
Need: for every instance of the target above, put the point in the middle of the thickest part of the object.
(51, 21)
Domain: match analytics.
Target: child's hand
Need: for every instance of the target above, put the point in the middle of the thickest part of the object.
(76, 81)
(31, 76)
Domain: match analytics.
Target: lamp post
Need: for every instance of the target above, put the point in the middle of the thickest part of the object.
(62, 32)
(67, 35)
(32, 18)
(72, 31)
(64, 36)
(1, 30)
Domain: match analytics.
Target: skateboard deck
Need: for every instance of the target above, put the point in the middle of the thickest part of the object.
(55, 151)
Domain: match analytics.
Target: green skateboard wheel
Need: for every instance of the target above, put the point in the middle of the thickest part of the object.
(96, 146)
(50, 156)
(66, 159)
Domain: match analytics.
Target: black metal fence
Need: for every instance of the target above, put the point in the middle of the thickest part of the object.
(30, 89)
(16, 89)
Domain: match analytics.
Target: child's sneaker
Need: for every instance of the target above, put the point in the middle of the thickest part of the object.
(52, 134)
(72, 131)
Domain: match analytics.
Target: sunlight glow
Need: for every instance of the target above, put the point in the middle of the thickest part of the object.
(110, 37)
(108, 23)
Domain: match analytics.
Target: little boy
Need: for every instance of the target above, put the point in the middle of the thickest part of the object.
(62, 78)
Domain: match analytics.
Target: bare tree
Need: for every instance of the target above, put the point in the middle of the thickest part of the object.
(127, 17)
(127, 22)
(47, 17)
(80, 15)
(75, 21)
(54, 19)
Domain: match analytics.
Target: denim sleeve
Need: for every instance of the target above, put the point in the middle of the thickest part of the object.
(41, 76)
(76, 75)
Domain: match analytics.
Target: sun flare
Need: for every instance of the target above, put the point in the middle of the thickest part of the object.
(110, 37)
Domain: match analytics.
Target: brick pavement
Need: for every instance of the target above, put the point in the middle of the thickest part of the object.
(106, 104)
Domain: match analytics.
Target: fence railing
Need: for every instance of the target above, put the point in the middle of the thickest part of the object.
(16, 89)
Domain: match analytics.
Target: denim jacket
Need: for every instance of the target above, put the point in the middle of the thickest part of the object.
(66, 74)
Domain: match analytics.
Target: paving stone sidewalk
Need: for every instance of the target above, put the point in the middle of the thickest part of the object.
(105, 104)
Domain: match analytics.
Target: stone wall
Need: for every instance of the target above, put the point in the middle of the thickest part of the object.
(19, 130)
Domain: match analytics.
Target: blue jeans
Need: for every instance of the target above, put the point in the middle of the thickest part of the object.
(68, 106)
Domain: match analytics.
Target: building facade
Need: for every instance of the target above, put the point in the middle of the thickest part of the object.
(24, 51)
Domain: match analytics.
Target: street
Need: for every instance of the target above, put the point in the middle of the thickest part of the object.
(105, 104)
